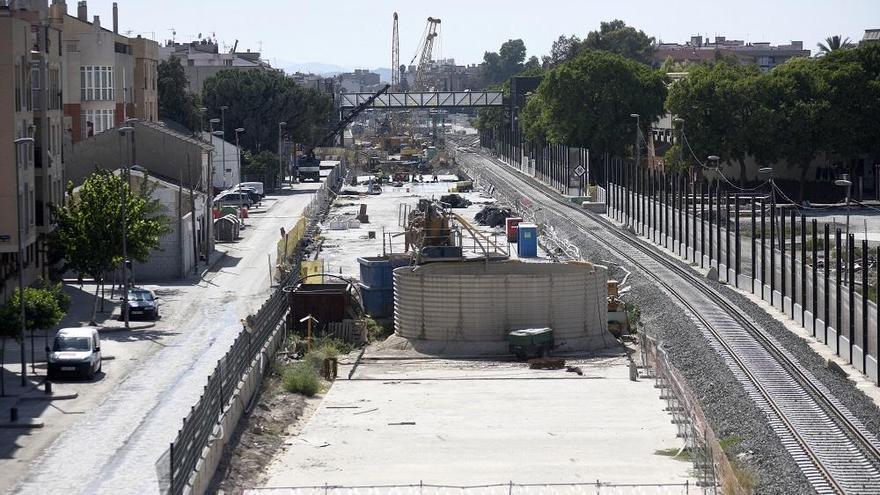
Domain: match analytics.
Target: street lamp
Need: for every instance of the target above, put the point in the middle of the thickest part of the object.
(223, 109)
(280, 161)
(122, 133)
(845, 182)
(238, 131)
(221, 134)
(638, 150)
(18, 206)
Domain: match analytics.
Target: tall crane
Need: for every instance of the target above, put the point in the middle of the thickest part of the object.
(426, 47)
(395, 57)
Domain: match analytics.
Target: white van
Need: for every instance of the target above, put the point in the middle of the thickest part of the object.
(75, 351)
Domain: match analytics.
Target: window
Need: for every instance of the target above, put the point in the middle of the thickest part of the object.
(96, 83)
(94, 122)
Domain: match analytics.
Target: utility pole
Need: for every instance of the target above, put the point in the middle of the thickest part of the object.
(280, 160)
(124, 195)
(19, 211)
(223, 125)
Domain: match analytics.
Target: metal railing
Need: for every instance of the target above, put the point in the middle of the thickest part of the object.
(176, 466)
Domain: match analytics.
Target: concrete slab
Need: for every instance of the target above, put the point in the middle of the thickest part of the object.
(482, 422)
(786, 305)
(821, 331)
(831, 339)
(872, 369)
(777, 300)
(798, 314)
(857, 361)
(843, 349)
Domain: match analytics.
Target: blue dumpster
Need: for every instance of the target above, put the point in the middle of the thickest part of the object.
(527, 240)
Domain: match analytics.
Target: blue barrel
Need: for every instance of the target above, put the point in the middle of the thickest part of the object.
(527, 240)
(375, 271)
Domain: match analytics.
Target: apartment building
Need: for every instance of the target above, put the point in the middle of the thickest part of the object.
(109, 78)
(203, 59)
(16, 158)
(698, 50)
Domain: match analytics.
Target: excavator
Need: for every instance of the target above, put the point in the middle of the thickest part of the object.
(308, 167)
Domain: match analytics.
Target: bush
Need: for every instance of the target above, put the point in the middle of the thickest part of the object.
(301, 378)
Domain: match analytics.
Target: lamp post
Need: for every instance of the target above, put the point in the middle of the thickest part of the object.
(122, 133)
(238, 131)
(223, 109)
(18, 207)
(280, 161)
(845, 182)
(638, 150)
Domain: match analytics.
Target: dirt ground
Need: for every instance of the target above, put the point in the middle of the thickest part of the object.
(275, 416)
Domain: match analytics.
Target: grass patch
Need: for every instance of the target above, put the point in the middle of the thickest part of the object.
(301, 378)
(684, 455)
(744, 476)
(377, 331)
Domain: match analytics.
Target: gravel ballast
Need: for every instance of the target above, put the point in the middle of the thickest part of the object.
(731, 412)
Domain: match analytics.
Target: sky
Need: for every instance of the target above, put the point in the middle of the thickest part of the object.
(357, 33)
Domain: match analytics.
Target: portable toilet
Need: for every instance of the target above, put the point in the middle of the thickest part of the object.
(510, 224)
(527, 240)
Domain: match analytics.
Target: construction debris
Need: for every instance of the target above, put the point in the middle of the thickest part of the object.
(547, 363)
(454, 201)
(493, 216)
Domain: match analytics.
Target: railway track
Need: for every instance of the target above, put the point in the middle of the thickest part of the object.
(832, 447)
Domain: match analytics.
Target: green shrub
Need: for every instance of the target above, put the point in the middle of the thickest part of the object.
(301, 378)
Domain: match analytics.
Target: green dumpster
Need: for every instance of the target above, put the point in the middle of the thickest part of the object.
(530, 342)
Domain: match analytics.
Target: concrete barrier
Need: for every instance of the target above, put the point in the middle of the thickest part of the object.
(200, 479)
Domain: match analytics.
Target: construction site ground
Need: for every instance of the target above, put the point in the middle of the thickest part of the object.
(406, 421)
(345, 239)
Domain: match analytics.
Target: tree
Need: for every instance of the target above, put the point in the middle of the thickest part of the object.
(587, 102)
(498, 67)
(175, 103)
(722, 112)
(262, 166)
(258, 100)
(563, 50)
(833, 44)
(41, 312)
(88, 237)
(617, 37)
(796, 94)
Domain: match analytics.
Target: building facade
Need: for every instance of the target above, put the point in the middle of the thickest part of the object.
(697, 50)
(109, 78)
(203, 59)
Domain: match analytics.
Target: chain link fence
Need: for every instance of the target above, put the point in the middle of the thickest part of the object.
(175, 467)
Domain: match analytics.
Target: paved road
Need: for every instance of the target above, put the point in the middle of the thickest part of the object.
(114, 447)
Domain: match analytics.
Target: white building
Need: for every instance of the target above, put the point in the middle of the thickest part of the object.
(225, 163)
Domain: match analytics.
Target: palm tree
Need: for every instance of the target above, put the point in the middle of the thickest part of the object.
(832, 43)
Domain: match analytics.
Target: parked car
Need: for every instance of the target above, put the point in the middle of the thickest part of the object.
(251, 192)
(76, 351)
(256, 186)
(143, 303)
(231, 198)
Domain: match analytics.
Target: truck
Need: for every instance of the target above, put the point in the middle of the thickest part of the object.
(308, 167)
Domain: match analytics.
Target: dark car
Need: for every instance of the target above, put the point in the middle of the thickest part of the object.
(143, 303)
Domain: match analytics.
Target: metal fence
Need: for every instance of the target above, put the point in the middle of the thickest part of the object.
(816, 275)
(176, 466)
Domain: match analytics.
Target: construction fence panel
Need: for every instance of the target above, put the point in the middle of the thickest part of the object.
(175, 467)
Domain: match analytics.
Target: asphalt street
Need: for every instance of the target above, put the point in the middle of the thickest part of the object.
(122, 430)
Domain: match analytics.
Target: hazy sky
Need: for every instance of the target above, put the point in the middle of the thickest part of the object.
(357, 33)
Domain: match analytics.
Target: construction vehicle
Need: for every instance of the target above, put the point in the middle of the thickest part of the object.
(308, 166)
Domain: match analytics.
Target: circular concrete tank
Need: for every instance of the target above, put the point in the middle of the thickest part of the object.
(480, 302)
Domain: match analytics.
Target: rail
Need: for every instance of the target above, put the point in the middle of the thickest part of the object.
(830, 445)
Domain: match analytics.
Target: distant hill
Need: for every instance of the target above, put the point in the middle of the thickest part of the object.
(327, 69)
